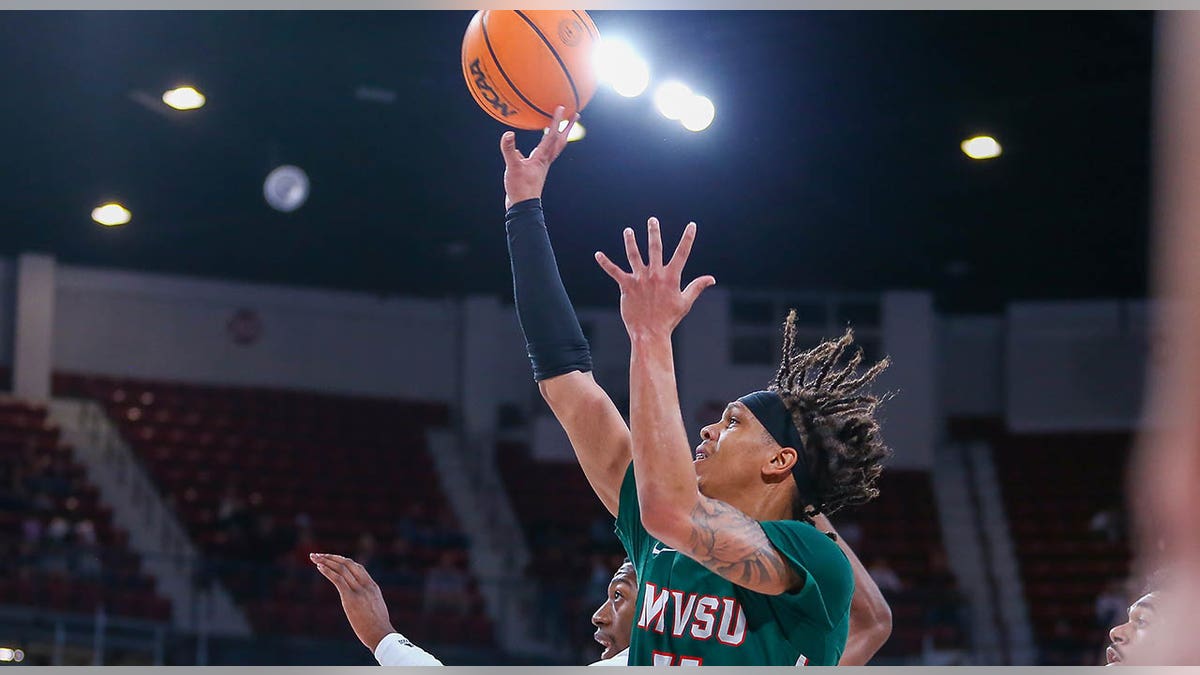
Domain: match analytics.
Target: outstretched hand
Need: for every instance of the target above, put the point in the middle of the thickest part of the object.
(524, 177)
(651, 302)
(361, 597)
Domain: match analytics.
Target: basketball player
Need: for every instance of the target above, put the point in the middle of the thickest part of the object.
(1140, 640)
(732, 570)
(1164, 497)
(368, 614)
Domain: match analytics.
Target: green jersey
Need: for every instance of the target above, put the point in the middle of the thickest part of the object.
(689, 616)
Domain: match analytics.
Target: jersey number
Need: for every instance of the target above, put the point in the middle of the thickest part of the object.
(665, 659)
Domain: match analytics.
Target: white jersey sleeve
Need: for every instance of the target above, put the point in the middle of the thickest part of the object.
(396, 650)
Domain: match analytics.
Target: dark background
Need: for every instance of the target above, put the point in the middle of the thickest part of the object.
(833, 162)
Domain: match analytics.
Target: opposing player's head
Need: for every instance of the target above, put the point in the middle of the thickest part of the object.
(1139, 641)
(811, 436)
(614, 618)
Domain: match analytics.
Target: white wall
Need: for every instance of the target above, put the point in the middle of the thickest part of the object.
(1075, 366)
(173, 328)
(33, 339)
(1044, 366)
(610, 351)
(911, 420)
(494, 363)
(8, 291)
(1048, 366)
(708, 377)
(971, 366)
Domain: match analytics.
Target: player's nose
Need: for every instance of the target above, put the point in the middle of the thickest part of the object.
(601, 617)
(1117, 634)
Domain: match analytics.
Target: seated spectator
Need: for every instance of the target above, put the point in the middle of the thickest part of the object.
(54, 558)
(31, 529)
(269, 541)
(885, 577)
(231, 511)
(366, 552)
(295, 559)
(446, 532)
(414, 525)
(398, 563)
(446, 587)
(86, 558)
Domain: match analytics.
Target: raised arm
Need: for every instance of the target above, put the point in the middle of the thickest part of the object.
(717, 535)
(870, 615)
(596, 430)
(557, 349)
(368, 615)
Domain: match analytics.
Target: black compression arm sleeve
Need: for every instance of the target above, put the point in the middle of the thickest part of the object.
(553, 336)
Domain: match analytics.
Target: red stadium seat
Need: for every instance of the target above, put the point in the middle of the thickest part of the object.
(1063, 565)
(198, 439)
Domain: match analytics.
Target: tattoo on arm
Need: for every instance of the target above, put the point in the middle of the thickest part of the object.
(733, 545)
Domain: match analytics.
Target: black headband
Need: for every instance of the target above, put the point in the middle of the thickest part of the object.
(770, 411)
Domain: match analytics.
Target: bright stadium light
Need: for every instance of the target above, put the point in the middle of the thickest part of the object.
(184, 98)
(981, 147)
(111, 214)
(672, 99)
(621, 67)
(699, 114)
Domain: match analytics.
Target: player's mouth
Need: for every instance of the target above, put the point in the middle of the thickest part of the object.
(1112, 655)
(603, 640)
(701, 454)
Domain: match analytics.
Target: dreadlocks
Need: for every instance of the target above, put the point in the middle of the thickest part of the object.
(831, 406)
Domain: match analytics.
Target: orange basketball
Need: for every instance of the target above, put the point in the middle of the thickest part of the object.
(521, 64)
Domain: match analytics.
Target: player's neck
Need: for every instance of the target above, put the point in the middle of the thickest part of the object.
(766, 502)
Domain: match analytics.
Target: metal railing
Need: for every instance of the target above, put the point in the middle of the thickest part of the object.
(55, 607)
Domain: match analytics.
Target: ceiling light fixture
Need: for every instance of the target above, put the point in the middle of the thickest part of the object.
(184, 98)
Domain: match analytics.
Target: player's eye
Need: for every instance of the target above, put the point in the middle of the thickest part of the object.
(617, 595)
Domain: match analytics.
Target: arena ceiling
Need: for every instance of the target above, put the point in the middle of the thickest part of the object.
(833, 163)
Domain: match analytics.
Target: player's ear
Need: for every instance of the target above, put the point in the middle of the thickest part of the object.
(780, 463)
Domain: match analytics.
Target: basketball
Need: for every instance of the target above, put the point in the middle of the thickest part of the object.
(521, 64)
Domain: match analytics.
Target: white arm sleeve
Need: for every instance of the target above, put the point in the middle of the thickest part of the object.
(396, 650)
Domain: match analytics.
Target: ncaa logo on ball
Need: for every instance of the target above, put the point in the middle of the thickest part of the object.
(489, 93)
(570, 31)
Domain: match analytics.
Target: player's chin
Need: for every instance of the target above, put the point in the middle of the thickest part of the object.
(706, 472)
